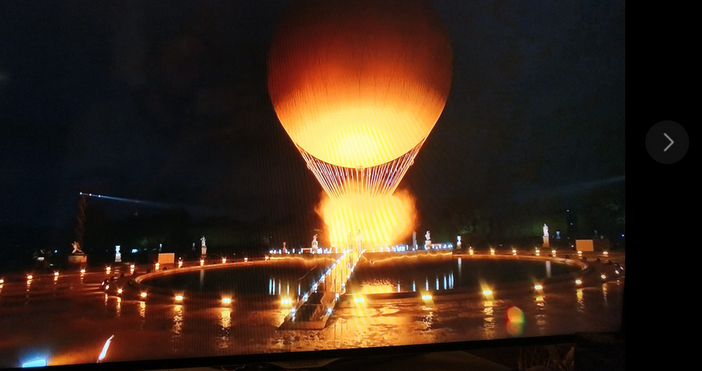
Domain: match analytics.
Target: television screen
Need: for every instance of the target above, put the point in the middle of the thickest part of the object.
(190, 183)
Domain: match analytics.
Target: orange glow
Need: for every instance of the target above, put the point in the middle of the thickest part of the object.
(514, 314)
(382, 219)
(377, 289)
(357, 101)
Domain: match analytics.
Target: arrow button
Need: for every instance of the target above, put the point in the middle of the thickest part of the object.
(671, 142)
(659, 142)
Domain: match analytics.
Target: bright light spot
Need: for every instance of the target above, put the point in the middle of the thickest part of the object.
(605, 253)
(358, 299)
(514, 314)
(105, 347)
(35, 363)
(514, 251)
(179, 298)
(202, 262)
(2, 281)
(180, 263)
(603, 276)
(578, 282)
(382, 219)
(29, 277)
(538, 287)
(426, 297)
(157, 265)
(246, 260)
(226, 300)
(108, 269)
(143, 294)
(487, 292)
(616, 271)
(267, 257)
(82, 271)
(224, 260)
(107, 287)
(119, 291)
(329, 310)
(56, 273)
(553, 252)
(285, 301)
(492, 251)
(580, 253)
(470, 251)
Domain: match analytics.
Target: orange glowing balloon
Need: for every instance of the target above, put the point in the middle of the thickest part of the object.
(359, 83)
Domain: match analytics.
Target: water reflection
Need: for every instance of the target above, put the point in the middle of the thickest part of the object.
(438, 272)
(604, 293)
(581, 302)
(177, 328)
(142, 314)
(488, 319)
(225, 325)
(541, 314)
(118, 307)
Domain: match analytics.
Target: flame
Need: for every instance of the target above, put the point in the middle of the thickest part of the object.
(382, 220)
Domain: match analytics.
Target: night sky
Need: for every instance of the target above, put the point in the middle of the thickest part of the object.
(166, 101)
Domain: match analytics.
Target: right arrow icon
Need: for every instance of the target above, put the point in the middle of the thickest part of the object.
(671, 142)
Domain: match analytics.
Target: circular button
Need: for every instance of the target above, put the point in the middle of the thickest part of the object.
(667, 142)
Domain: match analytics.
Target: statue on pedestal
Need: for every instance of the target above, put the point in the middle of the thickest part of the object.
(76, 248)
(315, 244)
(427, 240)
(546, 236)
(203, 246)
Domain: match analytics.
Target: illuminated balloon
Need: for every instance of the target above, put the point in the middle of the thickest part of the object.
(358, 86)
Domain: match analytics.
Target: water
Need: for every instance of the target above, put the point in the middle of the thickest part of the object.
(69, 319)
(386, 274)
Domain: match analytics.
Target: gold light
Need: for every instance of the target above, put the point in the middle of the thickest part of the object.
(358, 91)
(143, 294)
(226, 300)
(371, 99)
(382, 219)
(179, 298)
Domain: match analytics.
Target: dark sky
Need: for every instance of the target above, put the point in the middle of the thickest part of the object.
(166, 101)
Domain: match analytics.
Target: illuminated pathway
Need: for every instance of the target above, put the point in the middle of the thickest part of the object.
(314, 308)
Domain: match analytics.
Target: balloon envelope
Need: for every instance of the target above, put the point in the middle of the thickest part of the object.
(359, 83)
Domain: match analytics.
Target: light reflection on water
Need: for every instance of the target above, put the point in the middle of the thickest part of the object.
(177, 321)
(246, 329)
(376, 323)
(604, 293)
(438, 272)
(488, 320)
(541, 314)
